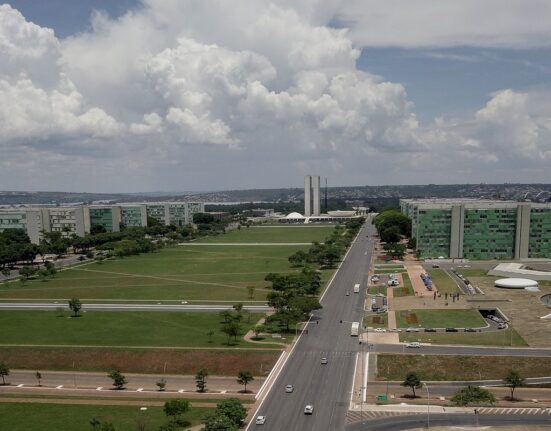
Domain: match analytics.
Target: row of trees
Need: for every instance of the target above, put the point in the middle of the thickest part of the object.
(470, 394)
(392, 226)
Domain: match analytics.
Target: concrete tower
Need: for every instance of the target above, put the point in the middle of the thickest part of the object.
(307, 196)
(316, 195)
(311, 196)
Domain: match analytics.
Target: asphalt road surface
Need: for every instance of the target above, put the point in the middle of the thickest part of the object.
(131, 307)
(325, 387)
(457, 419)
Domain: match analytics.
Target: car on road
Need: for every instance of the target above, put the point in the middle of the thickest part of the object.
(347, 293)
(413, 345)
(289, 389)
(502, 326)
(430, 330)
(380, 330)
(323, 361)
(260, 420)
(436, 266)
(452, 330)
(469, 330)
(308, 410)
(413, 330)
(395, 330)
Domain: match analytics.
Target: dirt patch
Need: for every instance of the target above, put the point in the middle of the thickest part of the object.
(410, 318)
(220, 362)
(378, 320)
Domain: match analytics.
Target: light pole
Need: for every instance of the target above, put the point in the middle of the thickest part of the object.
(428, 404)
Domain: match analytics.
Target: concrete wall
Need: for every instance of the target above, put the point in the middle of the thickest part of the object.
(316, 195)
(457, 229)
(522, 237)
(308, 196)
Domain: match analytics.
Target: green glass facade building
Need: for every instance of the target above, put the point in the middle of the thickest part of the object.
(479, 229)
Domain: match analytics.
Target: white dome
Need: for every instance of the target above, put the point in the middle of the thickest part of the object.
(516, 283)
(294, 215)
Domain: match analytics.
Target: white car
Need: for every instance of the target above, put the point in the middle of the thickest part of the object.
(324, 361)
(395, 330)
(260, 420)
(413, 345)
(413, 330)
(289, 389)
(380, 330)
(308, 410)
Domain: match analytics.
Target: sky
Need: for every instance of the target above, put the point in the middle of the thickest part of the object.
(180, 95)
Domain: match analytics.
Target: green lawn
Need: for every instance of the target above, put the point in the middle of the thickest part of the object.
(55, 417)
(190, 273)
(443, 281)
(501, 338)
(260, 234)
(118, 329)
(390, 271)
(472, 272)
(440, 318)
(375, 290)
(406, 289)
(376, 320)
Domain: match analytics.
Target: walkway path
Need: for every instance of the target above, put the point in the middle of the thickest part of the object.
(414, 272)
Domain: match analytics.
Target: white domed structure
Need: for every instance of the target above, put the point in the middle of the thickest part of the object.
(294, 216)
(516, 283)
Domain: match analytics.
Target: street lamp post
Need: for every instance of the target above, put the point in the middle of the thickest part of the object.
(428, 404)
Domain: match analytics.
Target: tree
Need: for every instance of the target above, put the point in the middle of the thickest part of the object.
(174, 409)
(218, 422)
(513, 380)
(38, 376)
(258, 329)
(250, 291)
(472, 395)
(98, 425)
(210, 334)
(244, 378)
(75, 305)
(390, 234)
(412, 381)
(118, 379)
(233, 409)
(4, 372)
(203, 218)
(6, 272)
(226, 315)
(161, 384)
(97, 229)
(28, 271)
(201, 379)
(231, 329)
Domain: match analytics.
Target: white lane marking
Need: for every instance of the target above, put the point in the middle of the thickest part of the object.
(59, 387)
(366, 369)
(354, 379)
(270, 375)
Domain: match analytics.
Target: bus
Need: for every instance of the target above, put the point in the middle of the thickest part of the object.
(356, 288)
(354, 332)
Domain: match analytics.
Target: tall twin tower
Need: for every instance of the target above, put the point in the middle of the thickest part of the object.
(311, 196)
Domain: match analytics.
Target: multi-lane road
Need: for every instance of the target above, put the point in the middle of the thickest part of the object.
(325, 387)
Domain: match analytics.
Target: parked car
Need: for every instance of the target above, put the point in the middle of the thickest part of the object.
(380, 330)
(289, 389)
(308, 410)
(469, 330)
(413, 330)
(502, 326)
(430, 330)
(260, 420)
(436, 266)
(413, 345)
(324, 361)
(395, 330)
(452, 330)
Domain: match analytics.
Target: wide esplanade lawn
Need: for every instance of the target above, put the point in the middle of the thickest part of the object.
(274, 234)
(55, 417)
(120, 329)
(191, 272)
(440, 319)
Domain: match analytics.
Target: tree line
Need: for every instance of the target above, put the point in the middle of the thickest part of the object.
(391, 227)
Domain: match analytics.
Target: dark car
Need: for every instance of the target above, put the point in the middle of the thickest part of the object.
(451, 330)
(430, 330)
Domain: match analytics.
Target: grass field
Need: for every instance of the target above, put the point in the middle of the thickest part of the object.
(448, 367)
(472, 272)
(406, 289)
(501, 338)
(391, 271)
(119, 329)
(375, 290)
(376, 320)
(182, 273)
(266, 234)
(148, 361)
(55, 417)
(443, 281)
(440, 318)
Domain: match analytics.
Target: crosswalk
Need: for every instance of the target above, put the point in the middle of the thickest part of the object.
(356, 416)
